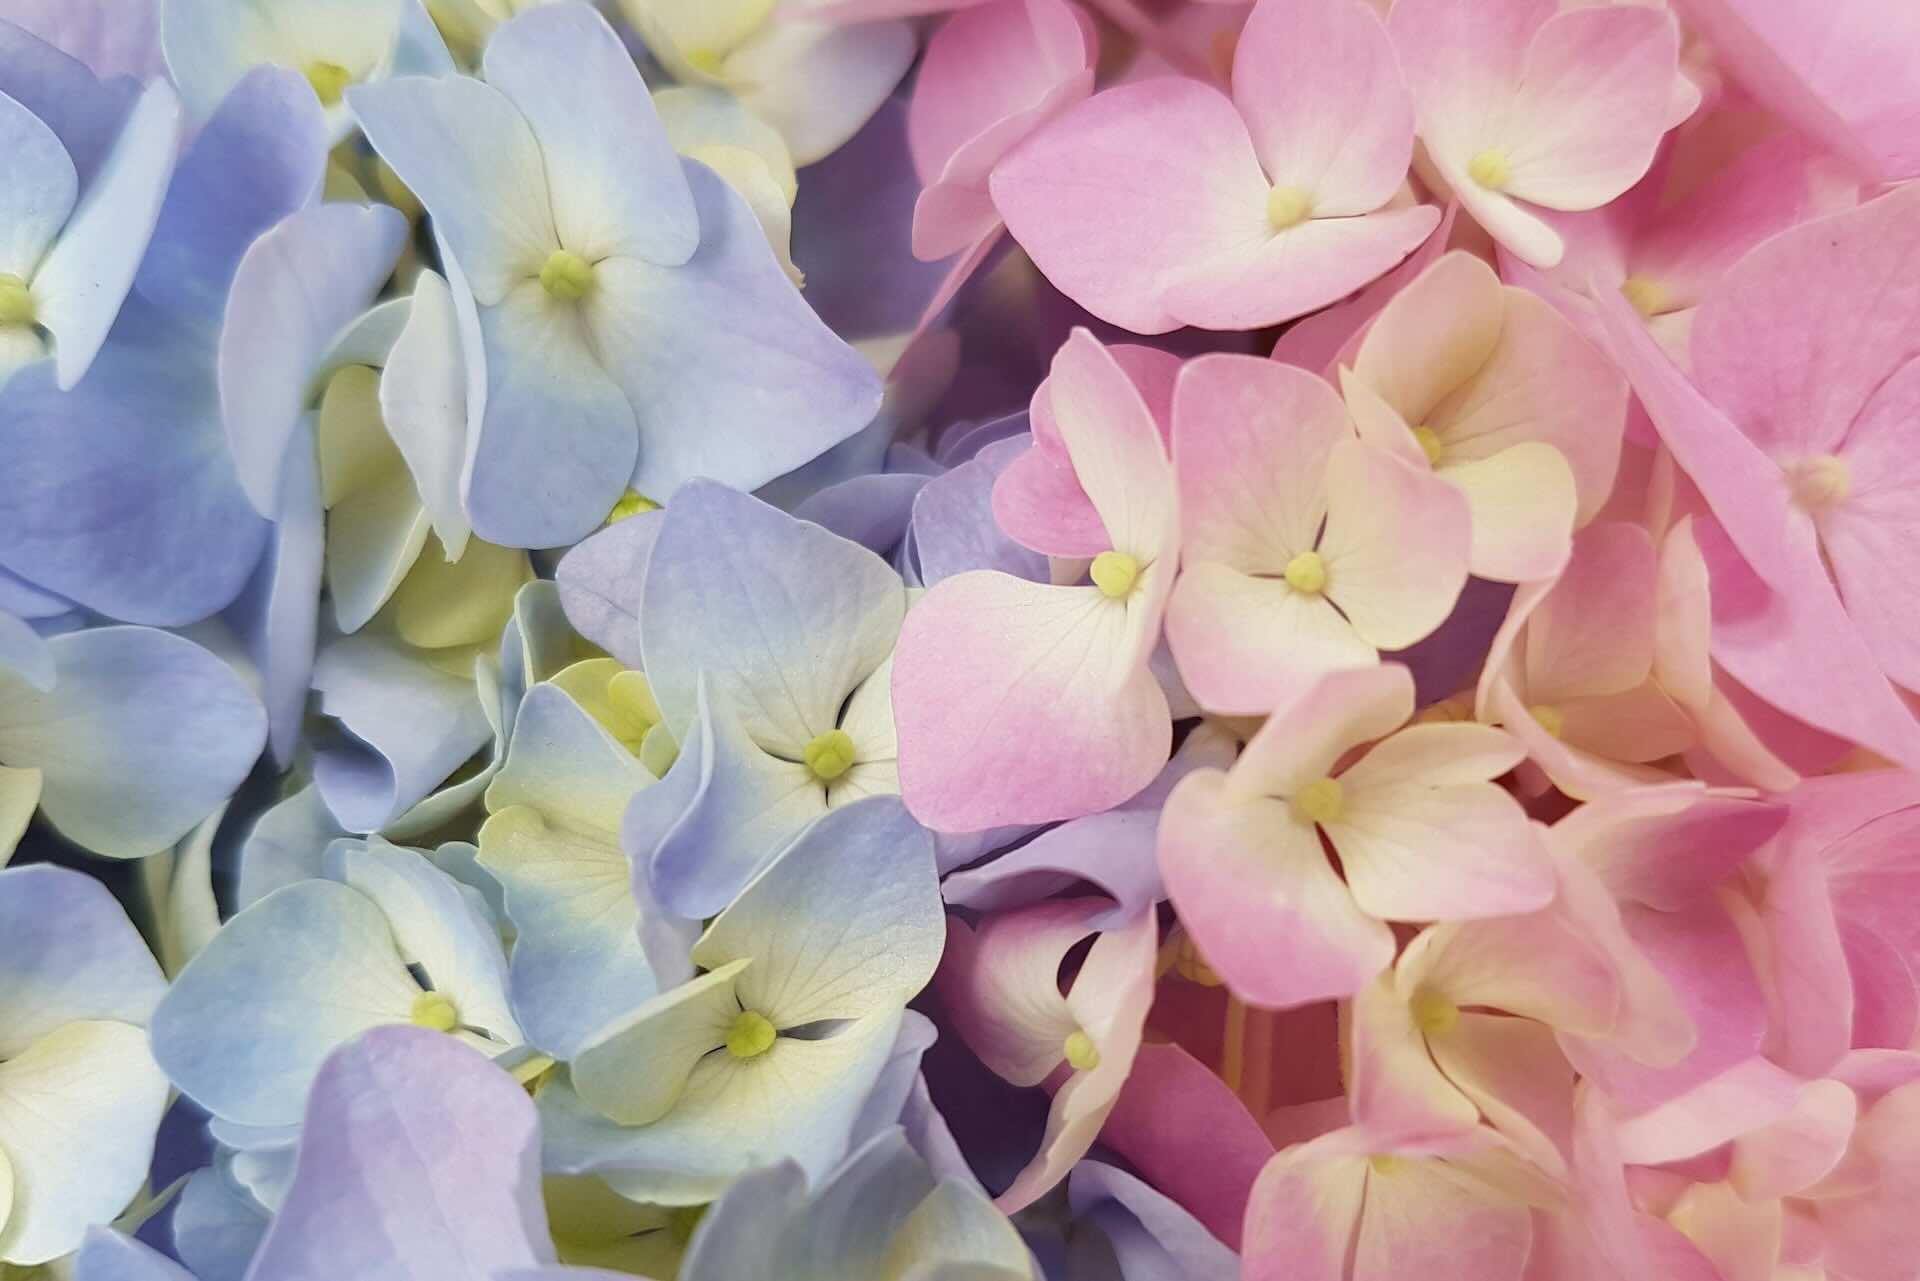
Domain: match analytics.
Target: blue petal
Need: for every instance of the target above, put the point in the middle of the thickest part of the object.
(419, 1159)
(277, 616)
(143, 735)
(262, 156)
(106, 1255)
(409, 725)
(784, 618)
(732, 374)
(297, 287)
(121, 495)
(67, 953)
(600, 583)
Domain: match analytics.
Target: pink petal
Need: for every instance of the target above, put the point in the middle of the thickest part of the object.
(1434, 1221)
(1702, 955)
(1874, 874)
(1037, 500)
(1670, 845)
(1745, 1098)
(1542, 965)
(1395, 546)
(1303, 740)
(1543, 382)
(1412, 362)
(1838, 72)
(1691, 245)
(1593, 633)
(1315, 342)
(1591, 106)
(1516, 1076)
(983, 65)
(1803, 330)
(1319, 86)
(1785, 638)
(1581, 773)
(1394, 1084)
(1874, 1234)
(1786, 1156)
(1460, 60)
(1250, 444)
(1189, 1136)
(1804, 965)
(1524, 504)
(1138, 182)
(1683, 620)
(1269, 277)
(990, 76)
(1872, 540)
(1115, 446)
(1302, 1216)
(1246, 645)
(1417, 851)
(1017, 702)
(1241, 871)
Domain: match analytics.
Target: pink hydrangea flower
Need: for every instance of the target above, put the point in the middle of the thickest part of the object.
(1502, 397)
(1524, 106)
(1306, 550)
(1796, 429)
(1422, 834)
(1166, 202)
(1360, 1204)
(1024, 702)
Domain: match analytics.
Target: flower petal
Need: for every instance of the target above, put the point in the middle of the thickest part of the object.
(1108, 209)
(561, 65)
(1243, 870)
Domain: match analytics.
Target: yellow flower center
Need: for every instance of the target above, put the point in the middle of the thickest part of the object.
(1081, 1052)
(1321, 801)
(1307, 573)
(1647, 297)
(829, 755)
(1386, 1165)
(1551, 718)
(1114, 573)
(1490, 169)
(566, 276)
(706, 61)
(750, 1036)
(1429, 441)
(329, 81)
(16, 302)
(1821, 482)
(1433, 1013)
(631, 503)
(1288, 207)
(435, 1010)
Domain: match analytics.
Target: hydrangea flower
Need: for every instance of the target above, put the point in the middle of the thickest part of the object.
(772, 678)
(570, 251)
(769, 1051)
(387, 939)
(1250, 210)
(1041, 693)
(1522, 105)
(1421, 831)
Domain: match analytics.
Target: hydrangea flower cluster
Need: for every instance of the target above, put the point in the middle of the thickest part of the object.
(959, 640)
